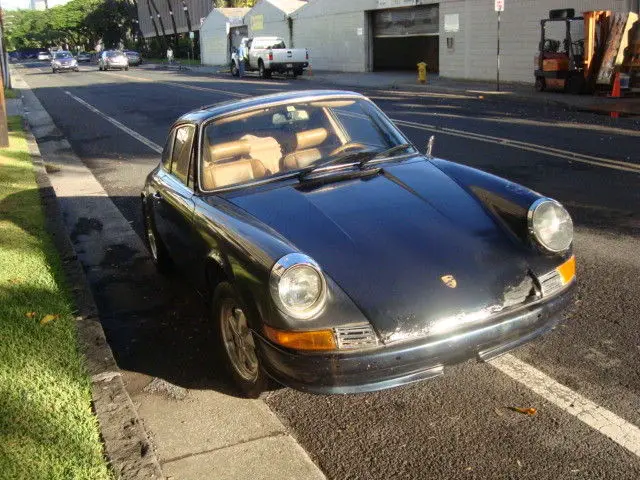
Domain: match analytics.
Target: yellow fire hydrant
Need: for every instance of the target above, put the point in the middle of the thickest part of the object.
(422, 72)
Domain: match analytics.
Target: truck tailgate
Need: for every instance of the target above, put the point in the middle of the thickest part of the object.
(289, 55)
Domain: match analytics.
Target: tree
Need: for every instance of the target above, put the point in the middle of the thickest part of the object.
(79, 23)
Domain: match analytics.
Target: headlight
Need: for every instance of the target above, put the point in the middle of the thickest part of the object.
(550, 225)
(56, 63)
(74, 62)
(298, 286)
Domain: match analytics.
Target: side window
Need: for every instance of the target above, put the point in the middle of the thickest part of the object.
(166, 152)
(182, 152)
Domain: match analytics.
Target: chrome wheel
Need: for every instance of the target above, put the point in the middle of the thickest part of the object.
(238, 341)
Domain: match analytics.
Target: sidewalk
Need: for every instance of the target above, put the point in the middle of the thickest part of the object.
(195, 433)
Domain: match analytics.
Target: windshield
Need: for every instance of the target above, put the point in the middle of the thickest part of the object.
(114, 54)
(63, 55)
(268, 142)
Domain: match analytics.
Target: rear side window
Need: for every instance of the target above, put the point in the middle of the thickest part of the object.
(182, 152)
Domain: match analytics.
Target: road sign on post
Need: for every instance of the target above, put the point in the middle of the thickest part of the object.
(498, 7)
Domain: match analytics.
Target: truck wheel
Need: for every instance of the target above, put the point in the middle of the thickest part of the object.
(234, 70)
(540, 85)
(297, 72)
(262, 72)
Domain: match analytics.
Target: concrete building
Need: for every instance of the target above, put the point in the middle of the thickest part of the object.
(219, 33)
(272, 18)
(160, 13)
(457, 38)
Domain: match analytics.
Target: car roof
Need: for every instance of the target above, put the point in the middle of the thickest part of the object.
(211, 111)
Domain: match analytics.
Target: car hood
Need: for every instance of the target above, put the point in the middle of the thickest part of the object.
(415, 252)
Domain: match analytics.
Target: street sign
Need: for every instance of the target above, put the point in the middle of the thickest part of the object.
(499, 5)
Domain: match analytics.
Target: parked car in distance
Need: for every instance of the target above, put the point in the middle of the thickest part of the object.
(134, 57)
(84, 57)
(110, 59)
(63, 61)
(44, 55)
(267, 55)
(336, 257)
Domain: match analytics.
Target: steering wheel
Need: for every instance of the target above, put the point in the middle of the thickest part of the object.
(348, 146)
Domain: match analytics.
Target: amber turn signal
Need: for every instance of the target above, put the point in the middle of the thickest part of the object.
(314, 340)
(567, 270)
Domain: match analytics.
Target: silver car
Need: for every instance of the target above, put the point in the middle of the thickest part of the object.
(63, 61)
(110, 59)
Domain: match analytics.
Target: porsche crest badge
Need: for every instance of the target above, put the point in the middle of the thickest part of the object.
(449, 281)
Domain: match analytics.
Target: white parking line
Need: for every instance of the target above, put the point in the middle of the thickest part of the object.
(625, 434)
(599, 418)
(153, 146)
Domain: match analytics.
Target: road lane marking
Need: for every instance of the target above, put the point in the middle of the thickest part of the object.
(607, 423)
(531, 147)
(152, 145)
(604, 421)
(178, 84)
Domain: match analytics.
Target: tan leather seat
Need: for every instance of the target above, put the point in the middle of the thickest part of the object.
(228, 164)
(306, 151)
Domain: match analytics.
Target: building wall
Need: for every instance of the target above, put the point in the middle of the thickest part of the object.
(213, 40)
(274, 21)
(197, 9)
(473, 55)
(337, 33)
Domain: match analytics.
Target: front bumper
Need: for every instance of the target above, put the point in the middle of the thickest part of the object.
(394, 365)
(65, 67)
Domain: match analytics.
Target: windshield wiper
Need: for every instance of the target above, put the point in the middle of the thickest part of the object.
(344, 158)
(387, 153)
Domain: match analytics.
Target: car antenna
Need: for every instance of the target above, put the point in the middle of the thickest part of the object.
(430, 145)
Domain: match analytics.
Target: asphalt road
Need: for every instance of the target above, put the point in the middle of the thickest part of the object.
(459, 425)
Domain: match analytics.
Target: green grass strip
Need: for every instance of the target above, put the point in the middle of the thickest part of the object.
(11, 93)
(47, 428)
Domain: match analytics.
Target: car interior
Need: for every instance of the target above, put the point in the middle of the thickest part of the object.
(281, 139)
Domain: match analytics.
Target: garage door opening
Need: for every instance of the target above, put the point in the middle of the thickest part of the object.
(402, 37)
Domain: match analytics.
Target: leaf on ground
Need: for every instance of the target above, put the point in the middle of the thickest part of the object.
(526, 411)
(48, 318)
(30, 314)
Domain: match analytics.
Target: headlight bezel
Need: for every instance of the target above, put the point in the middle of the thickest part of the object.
(290, 262)
(534, 235)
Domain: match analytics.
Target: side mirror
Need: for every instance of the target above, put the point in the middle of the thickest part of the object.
(430, 146)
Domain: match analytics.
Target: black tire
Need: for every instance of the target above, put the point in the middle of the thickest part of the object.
(540, 84)
(126, 69)
(234, 70)
(53, 70)
(263, 72)
(76, 69)
(225, 300)
(157, 250)
(574, 84)
(298, 72)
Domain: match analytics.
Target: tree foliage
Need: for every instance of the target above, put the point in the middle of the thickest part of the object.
(79, 23)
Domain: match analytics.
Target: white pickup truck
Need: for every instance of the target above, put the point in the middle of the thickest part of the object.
(270, 54)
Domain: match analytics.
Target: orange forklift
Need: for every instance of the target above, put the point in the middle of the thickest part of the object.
(588, 53)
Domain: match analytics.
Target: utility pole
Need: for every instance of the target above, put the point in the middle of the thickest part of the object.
(4, 128)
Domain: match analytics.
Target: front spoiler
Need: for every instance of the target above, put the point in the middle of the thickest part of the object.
(399, 364)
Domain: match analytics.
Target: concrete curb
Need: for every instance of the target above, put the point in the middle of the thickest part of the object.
(126, 442)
